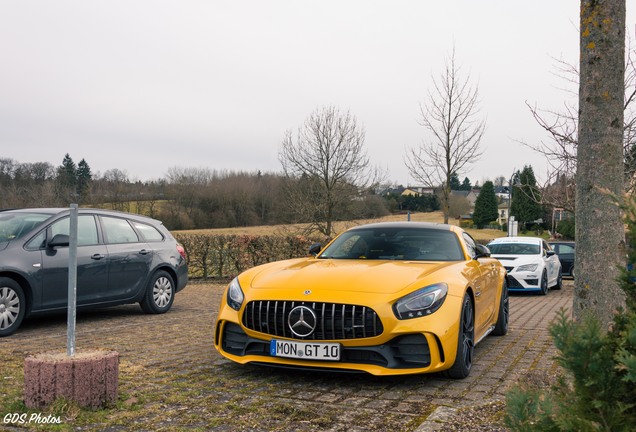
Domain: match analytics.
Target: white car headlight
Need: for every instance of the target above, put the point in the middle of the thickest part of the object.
(421, 303)
(235, 295)
(528, 267)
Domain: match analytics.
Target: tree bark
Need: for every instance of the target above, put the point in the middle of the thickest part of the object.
(599, 181)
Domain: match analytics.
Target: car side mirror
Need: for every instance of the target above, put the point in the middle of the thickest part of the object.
(314, 249)
(59, 240)
(481, 251)
(550, 253)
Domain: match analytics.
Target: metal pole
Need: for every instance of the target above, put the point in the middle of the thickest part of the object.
(509, 202)
(510, 187)
(72, 282)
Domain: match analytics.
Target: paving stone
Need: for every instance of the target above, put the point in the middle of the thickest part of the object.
(174, 354)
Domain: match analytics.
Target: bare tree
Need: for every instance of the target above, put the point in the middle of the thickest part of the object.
(458, 206)
(115, 182)
(326, 165)
(500, 181)
(600, 234)
(560, 150)
(455, 131)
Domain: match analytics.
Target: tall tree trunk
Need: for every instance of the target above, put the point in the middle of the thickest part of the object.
(445, 201)
(600, 234)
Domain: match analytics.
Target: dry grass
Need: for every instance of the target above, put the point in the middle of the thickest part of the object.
(436, 217)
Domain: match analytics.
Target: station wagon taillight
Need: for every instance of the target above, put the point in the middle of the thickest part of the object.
(181, 251)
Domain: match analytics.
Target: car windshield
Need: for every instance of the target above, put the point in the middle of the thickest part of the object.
(408, 244)
(514, 249)
(15, 225)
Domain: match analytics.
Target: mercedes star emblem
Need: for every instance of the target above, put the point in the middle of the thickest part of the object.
(302, 321)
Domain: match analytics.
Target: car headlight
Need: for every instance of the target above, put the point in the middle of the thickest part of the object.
(421, 303)
(527, 267)
(235, 295)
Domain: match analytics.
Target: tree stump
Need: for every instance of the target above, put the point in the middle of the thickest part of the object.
(89, 378)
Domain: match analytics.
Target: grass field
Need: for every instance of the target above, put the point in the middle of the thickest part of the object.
(437, 217)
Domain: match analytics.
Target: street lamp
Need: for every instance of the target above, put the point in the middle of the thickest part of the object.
(511, 219)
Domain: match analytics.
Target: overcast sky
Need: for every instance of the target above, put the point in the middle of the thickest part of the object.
(146, 85)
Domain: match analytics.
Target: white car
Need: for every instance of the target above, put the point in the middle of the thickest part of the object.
(531, 263)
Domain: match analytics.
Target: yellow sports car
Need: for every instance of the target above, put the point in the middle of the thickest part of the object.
(385, 298)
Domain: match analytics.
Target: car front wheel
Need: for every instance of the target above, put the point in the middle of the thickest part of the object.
(12, 306)
(465, 342)
(501, 327)
(159, 293)
(559, 283)
(544, 283)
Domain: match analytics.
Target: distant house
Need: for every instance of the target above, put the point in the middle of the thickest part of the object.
(470, 195)
(396, 190)
(503, 213)
(559, 214)
(502, 192)
(418, 190)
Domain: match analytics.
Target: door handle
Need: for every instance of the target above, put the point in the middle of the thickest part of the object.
(144, 252)
(97, 257)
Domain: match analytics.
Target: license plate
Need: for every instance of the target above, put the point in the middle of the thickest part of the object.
(305, 350)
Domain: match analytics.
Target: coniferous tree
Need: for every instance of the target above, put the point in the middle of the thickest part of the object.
(66, 180)
(67, 172)
(526, 197)
(466, 184)
(486, 209)
(454, 182)
(83, 180)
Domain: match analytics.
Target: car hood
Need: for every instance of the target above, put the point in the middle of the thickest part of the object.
(362, 276)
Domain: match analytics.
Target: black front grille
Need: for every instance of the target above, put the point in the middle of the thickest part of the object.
(333, 321)
(509, 268)
(408, 351)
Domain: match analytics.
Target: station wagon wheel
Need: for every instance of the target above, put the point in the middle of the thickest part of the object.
(465, 343)
(159, 293)
(501, 327)
(544, 283)
(12, 306)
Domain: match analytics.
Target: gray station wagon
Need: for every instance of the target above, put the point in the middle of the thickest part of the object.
(121, 258)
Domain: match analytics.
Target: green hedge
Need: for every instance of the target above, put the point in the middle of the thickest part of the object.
(224, 256)
(228, 255)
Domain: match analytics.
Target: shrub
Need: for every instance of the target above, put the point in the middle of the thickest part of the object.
(466, 223)
(566, 229)
(223, 256)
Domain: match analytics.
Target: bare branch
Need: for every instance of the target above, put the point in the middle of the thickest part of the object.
(328, 164)
(451, 119)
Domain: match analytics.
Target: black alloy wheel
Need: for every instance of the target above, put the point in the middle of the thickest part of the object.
(501, 326)
(544, 283)
(465, 342)
(559, 283)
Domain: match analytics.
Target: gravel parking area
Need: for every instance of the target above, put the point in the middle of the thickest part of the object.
(171, 378)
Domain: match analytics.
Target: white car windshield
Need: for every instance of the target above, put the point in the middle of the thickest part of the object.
(514, 249)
